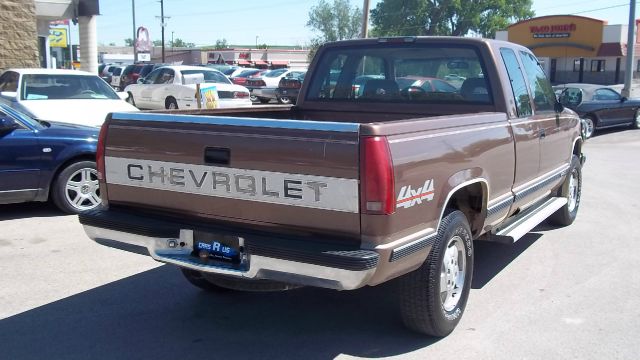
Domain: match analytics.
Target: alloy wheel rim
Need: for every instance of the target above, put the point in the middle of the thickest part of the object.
(172, 106)
(589, 130)
(638, 119)
(452, 273)
(574, 191)
(82, 190)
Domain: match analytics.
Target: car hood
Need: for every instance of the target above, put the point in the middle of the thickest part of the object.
(75, 111)
(73, 131)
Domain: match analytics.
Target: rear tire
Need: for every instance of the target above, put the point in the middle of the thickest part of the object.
(572, 190)
(130, 99)
(264, 100)
(76, 188)
(434, 296)
(284, 100)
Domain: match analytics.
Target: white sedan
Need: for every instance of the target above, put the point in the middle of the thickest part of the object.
(69, 96)
(174, 87)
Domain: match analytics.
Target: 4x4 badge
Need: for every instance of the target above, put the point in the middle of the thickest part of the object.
(409, 197)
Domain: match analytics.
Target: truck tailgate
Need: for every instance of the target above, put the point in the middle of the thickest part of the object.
(296, 175)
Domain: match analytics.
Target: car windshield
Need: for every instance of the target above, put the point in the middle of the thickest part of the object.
(210, 76)
(275, 73)
(59, 87)
(389, 74)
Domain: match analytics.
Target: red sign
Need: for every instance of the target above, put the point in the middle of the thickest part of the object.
(59, 22)
(143, 40)
(552, 28)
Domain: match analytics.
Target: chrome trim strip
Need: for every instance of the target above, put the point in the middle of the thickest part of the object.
(540, 179)
(247, 122)
(494, 209)
(16, 191)
(412, 247)
(259, 267)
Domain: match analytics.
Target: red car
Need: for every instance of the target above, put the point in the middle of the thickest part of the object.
(241, 79)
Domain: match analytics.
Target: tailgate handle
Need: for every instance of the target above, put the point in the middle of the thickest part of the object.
(217, 156)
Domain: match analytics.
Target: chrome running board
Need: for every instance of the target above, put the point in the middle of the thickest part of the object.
(524, 222)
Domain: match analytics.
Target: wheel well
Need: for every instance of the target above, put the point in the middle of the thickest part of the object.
(592, 116)
(166, 101)
(577, 148)
(471, 201)
(82, 157)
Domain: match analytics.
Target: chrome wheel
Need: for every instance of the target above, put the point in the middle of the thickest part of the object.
(588, 127)
(636, 124)
(574, 191)
(82, 191)
(172, 105)
(452, 273)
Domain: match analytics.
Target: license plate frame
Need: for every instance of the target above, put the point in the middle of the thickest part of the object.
(221, 249)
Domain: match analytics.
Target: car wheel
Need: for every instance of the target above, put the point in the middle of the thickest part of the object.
(284, 100)
(590, 126)
(636, 120)
(171, 104)
(433, 297)
(220, 283)
(264, 100)
(572, 190)
(76, 188)
(130, 99)
(253, 98)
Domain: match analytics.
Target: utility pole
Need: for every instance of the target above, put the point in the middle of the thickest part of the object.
(162, 25)
(133, 13)
(365, 19)
(628, 71)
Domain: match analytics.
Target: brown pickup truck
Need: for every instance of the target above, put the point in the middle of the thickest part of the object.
(399, 153)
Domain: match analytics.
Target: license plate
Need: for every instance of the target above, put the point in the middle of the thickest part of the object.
(224, 248)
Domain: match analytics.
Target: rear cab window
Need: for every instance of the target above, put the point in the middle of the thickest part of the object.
(401, 73)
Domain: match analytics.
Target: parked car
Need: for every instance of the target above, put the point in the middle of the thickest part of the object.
(263, 88)
(107, 72)
(71, 96)
(115, 77)
(600, 106)
(241, 79)
(289, 87)
(173, 87)
(40, 160)
(130, 75)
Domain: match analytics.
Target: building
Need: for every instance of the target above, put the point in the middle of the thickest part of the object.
(575, 48)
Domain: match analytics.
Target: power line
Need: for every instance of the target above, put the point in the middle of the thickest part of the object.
(603, 8)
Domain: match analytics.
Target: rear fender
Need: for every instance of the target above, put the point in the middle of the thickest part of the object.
(456, 184)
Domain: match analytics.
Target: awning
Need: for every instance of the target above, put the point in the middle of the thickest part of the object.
(280, 63)
(261, 62)
(243, 62)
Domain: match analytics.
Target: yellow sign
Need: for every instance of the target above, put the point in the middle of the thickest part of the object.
(58, 37)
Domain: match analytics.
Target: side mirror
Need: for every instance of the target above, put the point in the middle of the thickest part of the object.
(623, 99)
(558, 107)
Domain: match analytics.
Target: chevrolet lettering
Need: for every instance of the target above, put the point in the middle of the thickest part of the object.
(399, 155)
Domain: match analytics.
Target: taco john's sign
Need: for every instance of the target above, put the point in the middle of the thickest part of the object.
(552, 31)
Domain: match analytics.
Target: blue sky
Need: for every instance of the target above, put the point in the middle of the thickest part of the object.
(276, 22)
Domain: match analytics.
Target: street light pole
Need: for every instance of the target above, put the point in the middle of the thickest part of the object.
(365, 19)
(628, 72)
(133, 14)
(162, 25)
(256, 41)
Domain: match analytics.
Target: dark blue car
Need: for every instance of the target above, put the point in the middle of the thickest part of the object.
(42, 160)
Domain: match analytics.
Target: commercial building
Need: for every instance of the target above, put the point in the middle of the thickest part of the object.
(575, 48)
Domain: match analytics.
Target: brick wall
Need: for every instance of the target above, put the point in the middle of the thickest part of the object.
(19, 39)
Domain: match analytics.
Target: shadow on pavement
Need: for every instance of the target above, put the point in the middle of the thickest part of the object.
(158, 315)
(29, 210)
(491, 258)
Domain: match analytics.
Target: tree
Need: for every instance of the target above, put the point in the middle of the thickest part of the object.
(333, 21)
(177, 42)
(157, 42)
(128, 42)
(221, 44)
(447, 17)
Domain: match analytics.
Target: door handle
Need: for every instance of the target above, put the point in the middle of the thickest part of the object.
(542, 134)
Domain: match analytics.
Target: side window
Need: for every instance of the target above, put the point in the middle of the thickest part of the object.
(518, 85)
(9, 81)
(543, 96)
(165, 77)
(571, 96)
(7, 121)
(151, 78)
(606, 94)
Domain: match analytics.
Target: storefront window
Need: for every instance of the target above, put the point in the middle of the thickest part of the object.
(576, 65)
(597, 65)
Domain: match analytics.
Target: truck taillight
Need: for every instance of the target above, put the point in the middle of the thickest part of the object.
(100, 151)
(377, 183)
(240, 95)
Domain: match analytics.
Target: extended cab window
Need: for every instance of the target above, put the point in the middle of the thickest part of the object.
(543, 96)
(518, 85)
(401, 73)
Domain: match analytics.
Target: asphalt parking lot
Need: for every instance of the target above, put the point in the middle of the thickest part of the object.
(558, 293)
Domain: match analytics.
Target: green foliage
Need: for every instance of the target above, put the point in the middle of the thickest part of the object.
(332, 22)
(447, 17)
(128, 42)
(177, 42)
(221, 44)
(157, 42)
